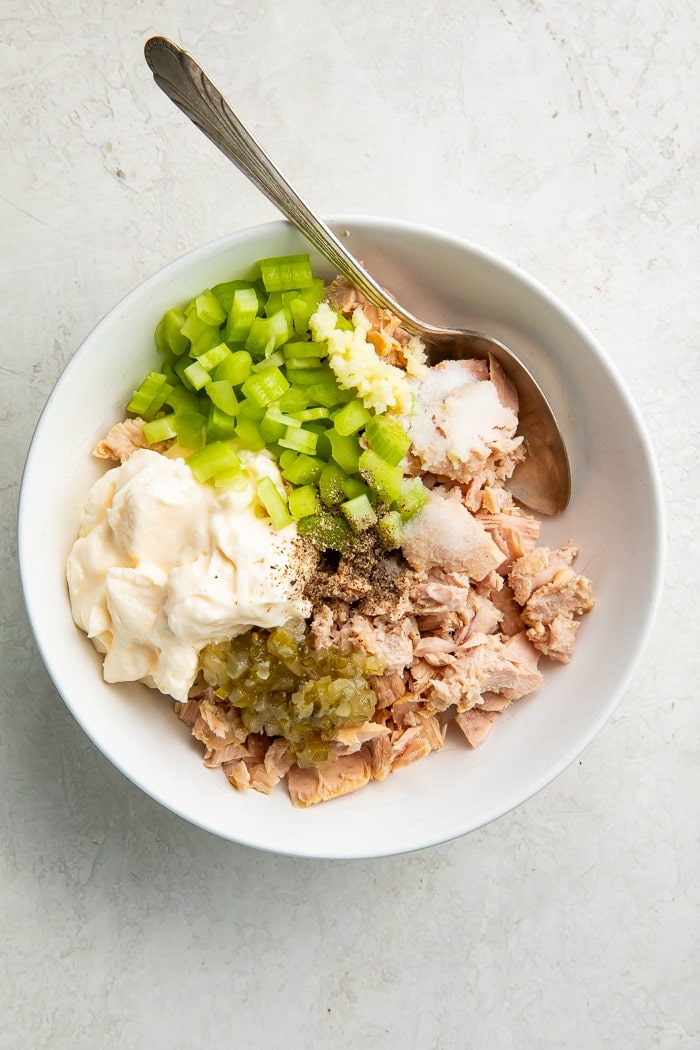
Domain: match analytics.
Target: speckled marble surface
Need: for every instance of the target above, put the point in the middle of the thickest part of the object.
(563, 135)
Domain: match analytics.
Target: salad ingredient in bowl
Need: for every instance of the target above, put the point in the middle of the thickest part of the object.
(309, 542)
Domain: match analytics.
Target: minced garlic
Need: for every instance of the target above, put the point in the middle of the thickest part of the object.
(355, 362)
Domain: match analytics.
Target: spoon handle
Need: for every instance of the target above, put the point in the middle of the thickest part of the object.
(187, 85)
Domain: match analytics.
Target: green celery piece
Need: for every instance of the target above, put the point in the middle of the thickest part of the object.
(209, 309)
(220, 392)
(300, 364)
(287, 457)
(343, 323)
(314, 351)
(359, 513)
(390, 530)
(265, 387)
(248, 433)
(224, 292)
(181, 372)
(210, 337)
(352, 487)
(300, 439)
(304, 501)
(294, 400)
(236, 480)
(160, 429)
(301, 470)
(382, 477)
(182, 400)
(190, 429)
(311, 415)
(271, 430)
(412, 497)
(194, 326)
(213, 357)
(150, 396)
(197, 376)
(281, 273)
(388, 439)
(274, 413)
(330, 484)
(310, 376)
(243, 311)
(345, 450)
(329, 394)
(273, 503)
(235, 368)
(217, 458)
(326, 531)
(168, 335)
(351, 417)
(273, 361)
(267, 334)
(305, 303)
(249, 410)
(220, 426)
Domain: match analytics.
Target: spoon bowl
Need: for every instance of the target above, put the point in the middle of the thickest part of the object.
(542, 482)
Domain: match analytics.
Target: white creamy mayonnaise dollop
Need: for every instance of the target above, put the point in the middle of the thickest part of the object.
(163, 565)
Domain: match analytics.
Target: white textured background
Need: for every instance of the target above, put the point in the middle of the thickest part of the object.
(563, 134)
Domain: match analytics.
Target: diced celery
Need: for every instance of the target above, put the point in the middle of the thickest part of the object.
(267, 333)
(224, 291)
(330, 484)
(310, 415)
(345, 450)
(351, 417)
(235, 368)
(304, 501)
(265, 387)
(273, 503)
(221, 393)
(301, 364)
(231, 479)
(359, 513)
(190, 429)
(209, 309)
(168, 335)
(273, 412)
(281, 273)
(352, 487)
(271, 430)
(294, 400)
(329, 394)
(326, 531)
(213, 357)
(210, 337)
(305, 303)
(220, 425)
(214, 459)
(160, 429)
(243, 311)
(182, 400)
(309, 376)
(248, 433)
(390, 530)
(150, 396)
(314, 351)
(197, 376)
(412, 496)
(301, 469)
(381, 476)
(249, 410)
(193, 326)
(300, 439)
(273, 361)
(388, 439)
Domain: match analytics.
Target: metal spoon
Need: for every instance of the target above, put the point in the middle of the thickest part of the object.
(542, 482)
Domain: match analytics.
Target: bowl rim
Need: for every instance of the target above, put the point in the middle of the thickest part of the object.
(658, 566)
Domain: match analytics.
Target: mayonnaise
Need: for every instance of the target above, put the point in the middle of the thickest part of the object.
(163, 565)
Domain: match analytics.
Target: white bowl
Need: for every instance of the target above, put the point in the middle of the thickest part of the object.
(615, 516)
